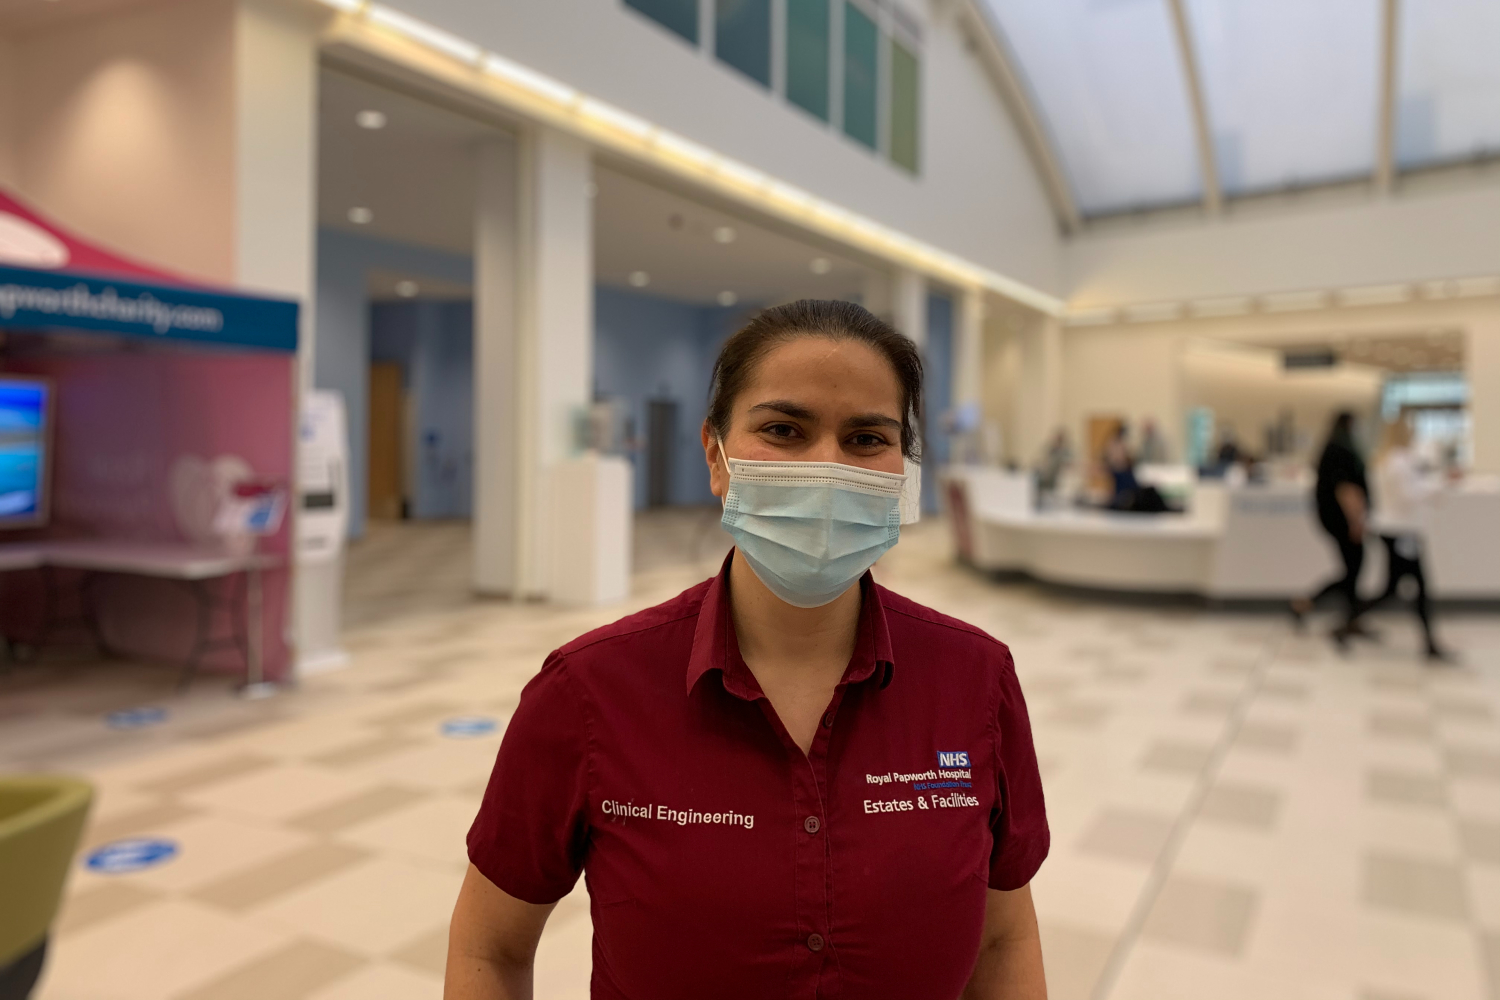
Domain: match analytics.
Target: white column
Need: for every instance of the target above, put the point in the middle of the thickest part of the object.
(875, 293)
(496, 406)
(968, 348)
(556, 343)
(1484, 392)
(909, 309)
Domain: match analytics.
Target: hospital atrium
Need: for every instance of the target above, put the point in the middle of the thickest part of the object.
(355, 356)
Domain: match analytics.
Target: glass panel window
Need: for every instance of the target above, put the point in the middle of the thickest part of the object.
(742, 37)
(1448, 81)
(904, 104)
(680, 16)
(861, 75)
(1107, 80)
(1292, 88)
(808, 55)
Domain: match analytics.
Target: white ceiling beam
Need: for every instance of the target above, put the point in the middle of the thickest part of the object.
(1385, 152)
(996, 59)
(1208, 165)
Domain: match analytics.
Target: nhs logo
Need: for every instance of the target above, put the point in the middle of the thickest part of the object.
(953, 758)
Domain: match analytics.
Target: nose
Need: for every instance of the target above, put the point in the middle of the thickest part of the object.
(825, 448)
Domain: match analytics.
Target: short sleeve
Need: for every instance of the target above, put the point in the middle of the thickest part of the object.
(532, 828)
(1020, 831)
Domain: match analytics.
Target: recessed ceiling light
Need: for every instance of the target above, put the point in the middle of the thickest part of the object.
(821, 265)
(407, 289)
(361, 216)
(725, 234)
(639, 279)
(370, 118)
(727, 299)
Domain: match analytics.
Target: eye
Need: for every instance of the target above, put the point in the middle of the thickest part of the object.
(780, 430)
(868, 439)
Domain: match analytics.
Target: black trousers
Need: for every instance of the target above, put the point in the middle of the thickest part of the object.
(1398, 567)
(1353, 555)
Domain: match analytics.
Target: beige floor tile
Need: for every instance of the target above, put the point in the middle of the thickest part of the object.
(1416, 886)
(276, 793)
(100, 902)
(386, 981)
(364, 750)
(1075, 888)
(564, 960)
(290, 973)
(355, 809)
(370, 908)
(1241, 804)
(439, 765)
(1267, 737)
(1202, 913)
(1400, 725)
(278, 876)
(209, 848)
(434, 829)
(1434, 959)
(1481, 840)
(1074, 957)
(161, 950)
(140, 821)
(1480, 799)
(1483, 883)
(1472, 762)
(428, 952)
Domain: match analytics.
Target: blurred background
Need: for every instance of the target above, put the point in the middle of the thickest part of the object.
(353, 355)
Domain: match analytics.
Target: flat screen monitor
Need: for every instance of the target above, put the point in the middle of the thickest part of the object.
(25, 450)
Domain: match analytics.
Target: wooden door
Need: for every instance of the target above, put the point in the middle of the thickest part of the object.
(386, 408)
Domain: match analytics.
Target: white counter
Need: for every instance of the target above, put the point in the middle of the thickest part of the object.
(1254, 541)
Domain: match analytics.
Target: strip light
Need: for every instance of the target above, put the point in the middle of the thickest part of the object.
(543, 97)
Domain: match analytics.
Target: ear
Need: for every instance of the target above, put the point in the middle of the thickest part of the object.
(718, 467)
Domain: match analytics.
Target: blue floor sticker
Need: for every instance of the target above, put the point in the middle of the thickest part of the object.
(136, 854)
(136, 718)
(466, 727)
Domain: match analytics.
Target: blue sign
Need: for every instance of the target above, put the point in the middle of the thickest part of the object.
(953, 758)
(136, 718)
(50, 300)
(466, 727)
(125, 856)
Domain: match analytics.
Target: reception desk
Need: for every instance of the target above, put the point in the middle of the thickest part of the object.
(1232, 543)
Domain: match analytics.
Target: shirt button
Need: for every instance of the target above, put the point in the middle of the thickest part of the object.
(828, 721)
(815, 942)
(811, 824)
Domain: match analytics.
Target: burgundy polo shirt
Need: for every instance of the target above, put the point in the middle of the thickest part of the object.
(723, 862)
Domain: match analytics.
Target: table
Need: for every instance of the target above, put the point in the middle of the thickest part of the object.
(195, 567)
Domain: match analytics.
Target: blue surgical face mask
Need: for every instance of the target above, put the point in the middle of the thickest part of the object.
(810, 530)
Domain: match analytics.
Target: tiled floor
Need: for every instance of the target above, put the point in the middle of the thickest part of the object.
(1237, 812)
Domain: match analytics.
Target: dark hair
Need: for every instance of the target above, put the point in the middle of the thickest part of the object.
(743, 352)
(1342, 430)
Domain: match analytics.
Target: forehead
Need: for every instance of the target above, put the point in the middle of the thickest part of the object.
(821, 371)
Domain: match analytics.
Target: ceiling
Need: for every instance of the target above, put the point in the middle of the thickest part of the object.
(416, 176)
(1291, 91)
(1432, 351)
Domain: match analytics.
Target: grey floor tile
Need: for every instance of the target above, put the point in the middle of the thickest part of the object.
(1281, 689)
(1176, 757)
(1267, 737)
(1395, 725)
(1203, 914)
(1414, 885)
(1457, 709)
(146, 819)
(363, 751)
(1489, 946)
(1127, 835)
(1472, 762)
(355, 809)
(99, 903)
(290, 973)
(1480, 839)
(1241, 805)
(1406, 788)
(203, 775)
(276, 876)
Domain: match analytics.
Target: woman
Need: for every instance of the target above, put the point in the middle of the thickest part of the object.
(786, 782)
(1342, 496)
(1406, 491)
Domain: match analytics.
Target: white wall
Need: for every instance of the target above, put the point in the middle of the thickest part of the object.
(1326, 240)
(977, 195)
(126, 131)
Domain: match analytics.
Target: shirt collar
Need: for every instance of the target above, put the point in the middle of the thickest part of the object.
(716, 648)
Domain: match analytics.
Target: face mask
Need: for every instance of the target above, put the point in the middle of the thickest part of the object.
(809, 530)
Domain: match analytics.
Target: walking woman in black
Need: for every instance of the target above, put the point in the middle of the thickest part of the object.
(1343, 505)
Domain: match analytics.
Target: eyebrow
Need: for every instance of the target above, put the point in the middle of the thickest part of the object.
(800, 412)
